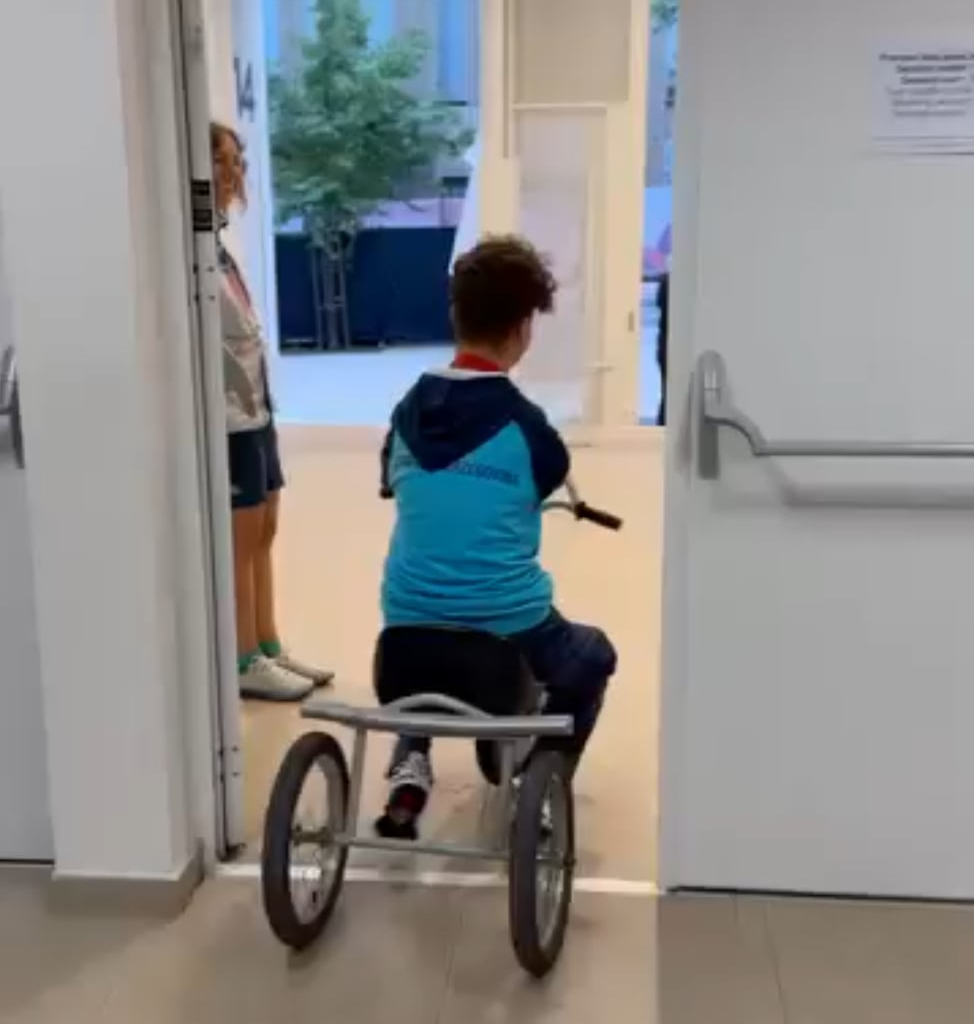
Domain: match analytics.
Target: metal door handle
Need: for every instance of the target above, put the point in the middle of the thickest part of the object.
(10, 401)
(7, 370)
(713, 408)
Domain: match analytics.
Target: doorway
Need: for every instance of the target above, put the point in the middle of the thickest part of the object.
(576, 190)
(658, 209)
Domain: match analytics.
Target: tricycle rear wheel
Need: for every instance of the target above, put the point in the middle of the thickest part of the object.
(298, 921)
(541, 862)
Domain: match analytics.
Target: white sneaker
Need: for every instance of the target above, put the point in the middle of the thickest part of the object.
(264, 679)
(410, 782)
(319, 676)
(415, 770)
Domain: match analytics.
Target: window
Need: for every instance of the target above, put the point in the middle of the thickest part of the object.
(458, 51)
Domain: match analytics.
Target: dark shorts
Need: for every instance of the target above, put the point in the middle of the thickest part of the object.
(255, 466)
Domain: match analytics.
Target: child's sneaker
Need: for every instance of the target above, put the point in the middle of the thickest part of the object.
(319, 677)
(410, 782)
(264, 679)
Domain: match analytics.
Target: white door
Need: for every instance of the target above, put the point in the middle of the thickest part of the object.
(561, 160)
(818, 704)
(25, 823)
(211, 420)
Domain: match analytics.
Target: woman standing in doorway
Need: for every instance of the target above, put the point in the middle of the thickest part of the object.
(266, 671)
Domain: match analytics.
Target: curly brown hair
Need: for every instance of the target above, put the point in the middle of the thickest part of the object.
(498, 285)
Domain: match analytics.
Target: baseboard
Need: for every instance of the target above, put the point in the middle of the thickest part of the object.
(165, 896)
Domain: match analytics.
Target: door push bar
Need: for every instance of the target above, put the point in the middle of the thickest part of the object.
(10, 402)
(713, 408)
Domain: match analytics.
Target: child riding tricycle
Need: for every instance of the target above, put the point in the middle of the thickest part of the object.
(472, 645)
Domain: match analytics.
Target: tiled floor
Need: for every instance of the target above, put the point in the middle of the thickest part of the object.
(422, 956)
(333, 538)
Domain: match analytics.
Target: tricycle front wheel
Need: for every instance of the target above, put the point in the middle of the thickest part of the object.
(302, 860)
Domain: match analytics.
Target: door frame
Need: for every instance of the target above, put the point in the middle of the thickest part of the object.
(225, 753)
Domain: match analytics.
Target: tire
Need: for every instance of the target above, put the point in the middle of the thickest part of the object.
(538, 944)
(297, 929)
(489, 758)
(489, 761)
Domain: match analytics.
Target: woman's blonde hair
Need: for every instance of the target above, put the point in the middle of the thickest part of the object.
(219, 132)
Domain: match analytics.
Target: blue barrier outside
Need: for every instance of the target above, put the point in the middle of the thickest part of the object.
(397, 288)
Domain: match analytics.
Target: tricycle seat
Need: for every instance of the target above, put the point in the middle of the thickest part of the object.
(480, 669)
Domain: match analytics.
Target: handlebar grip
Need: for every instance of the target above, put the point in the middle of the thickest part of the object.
(596, 515)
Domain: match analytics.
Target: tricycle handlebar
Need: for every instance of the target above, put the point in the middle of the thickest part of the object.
(598, 516)
(581, 511)
(578, 508)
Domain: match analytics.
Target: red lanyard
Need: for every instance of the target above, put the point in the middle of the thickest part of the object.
(472, 361)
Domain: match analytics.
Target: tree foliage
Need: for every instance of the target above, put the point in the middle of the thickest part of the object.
(665, 13)
(348, 130)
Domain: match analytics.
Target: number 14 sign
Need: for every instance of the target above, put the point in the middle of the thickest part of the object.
(244, 77)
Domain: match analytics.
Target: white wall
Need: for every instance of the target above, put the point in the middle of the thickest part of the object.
(818, 701)
(99, 318)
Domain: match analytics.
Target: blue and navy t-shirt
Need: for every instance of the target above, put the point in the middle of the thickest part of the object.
(469, 461)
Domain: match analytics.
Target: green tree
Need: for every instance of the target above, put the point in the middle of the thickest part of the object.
(348, 132)
(665, 13)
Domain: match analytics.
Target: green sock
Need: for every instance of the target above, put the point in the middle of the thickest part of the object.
(246, 660)
(271, 648)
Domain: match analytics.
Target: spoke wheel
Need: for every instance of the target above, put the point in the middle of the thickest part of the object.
(542, 863)
(302, 862)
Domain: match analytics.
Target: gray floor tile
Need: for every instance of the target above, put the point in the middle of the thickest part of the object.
(434, 956)
(715, 963)
(384, 957)
(52, 964)
(607, 970)
(864, 963)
